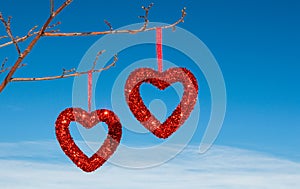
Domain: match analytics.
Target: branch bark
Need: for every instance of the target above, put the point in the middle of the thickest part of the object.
(43, 33)
(31, 45)
(111, 31)
(142, 29)
(9, 32)
(76, 74)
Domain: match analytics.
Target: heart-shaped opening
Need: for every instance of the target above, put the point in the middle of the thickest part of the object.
(88, 140)
(161, 103)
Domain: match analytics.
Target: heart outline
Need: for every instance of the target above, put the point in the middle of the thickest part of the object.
(161, 80)
(88, 120)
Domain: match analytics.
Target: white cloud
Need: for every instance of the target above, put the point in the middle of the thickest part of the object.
(221, 167)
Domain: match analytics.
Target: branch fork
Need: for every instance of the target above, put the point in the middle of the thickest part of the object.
(55, 33)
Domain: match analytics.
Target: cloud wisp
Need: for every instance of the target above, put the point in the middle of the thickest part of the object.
(30, 165)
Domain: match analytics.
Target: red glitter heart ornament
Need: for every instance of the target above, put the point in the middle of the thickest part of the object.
(161, 80)
(88, 120)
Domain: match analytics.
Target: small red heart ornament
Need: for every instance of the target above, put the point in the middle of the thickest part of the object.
(88, 120)
(161, 80)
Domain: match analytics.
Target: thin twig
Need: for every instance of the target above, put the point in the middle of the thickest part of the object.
(31, 45)
(68, 71)
(21, 39)
(74, 34)
(54, 33)
(9, 32)
(145, 17)
(3, 65)
(96, 59)
(30, 34)
(3, 37)
(76, 74)
(109, 25)
(4, 62)
(51, 7)
(9, 68)
(54, 25)
(142, 29)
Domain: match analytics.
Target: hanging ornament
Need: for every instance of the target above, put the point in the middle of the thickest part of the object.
(161, 80)
(88, 120)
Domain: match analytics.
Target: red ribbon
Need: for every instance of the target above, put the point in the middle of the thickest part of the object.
(90, 82)
(159, 49)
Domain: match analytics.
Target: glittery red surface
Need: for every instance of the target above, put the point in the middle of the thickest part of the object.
(88, 120)
(161, 80)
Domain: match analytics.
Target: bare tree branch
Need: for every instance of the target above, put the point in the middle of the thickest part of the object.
(21, 39)
(29, 34)
(142, 29)
(68, 75)
(54, 33)
(31, 45)
(9, 32)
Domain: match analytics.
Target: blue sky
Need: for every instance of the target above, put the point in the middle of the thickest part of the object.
(256, 44)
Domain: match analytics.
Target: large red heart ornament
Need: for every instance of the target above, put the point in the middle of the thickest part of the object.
(161, 80)
(88, 120)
